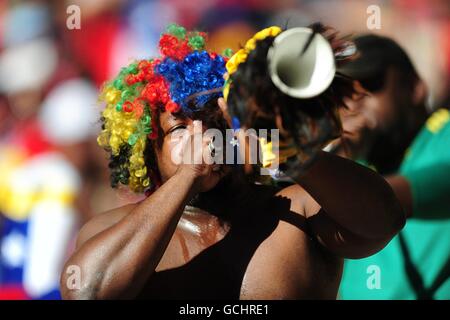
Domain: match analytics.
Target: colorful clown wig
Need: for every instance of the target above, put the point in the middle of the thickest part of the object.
(182, 80)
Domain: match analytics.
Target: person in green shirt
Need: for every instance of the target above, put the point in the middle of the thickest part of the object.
(390, 129)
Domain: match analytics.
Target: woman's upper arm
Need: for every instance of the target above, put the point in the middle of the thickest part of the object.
(327, 232)
(102, 222)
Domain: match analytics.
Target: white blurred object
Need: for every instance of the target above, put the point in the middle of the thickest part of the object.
(44, 189)
(12, 249)
(27, 66)
(301, 74)
(52, 219)
(51, 228)
(69, 113)
(279, 176)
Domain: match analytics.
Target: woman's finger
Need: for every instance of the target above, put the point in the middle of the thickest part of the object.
(223, 106)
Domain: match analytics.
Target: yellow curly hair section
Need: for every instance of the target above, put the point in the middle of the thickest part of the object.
(119, 128)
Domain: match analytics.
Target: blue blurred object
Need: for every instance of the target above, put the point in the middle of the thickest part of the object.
(13, 236)
(25, 22)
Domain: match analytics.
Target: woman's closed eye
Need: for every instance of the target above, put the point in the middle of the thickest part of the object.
(177, 128)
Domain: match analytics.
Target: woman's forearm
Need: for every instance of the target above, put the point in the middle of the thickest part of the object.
(116, 262)
(355, 197)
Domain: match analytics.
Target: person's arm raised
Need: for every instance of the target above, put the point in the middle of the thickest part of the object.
(350, 209)
(118, 254)
(116, 262)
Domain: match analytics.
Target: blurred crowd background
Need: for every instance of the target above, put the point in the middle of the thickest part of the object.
(53, 177)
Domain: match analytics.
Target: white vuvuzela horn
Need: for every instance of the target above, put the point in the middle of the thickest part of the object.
(301, 74)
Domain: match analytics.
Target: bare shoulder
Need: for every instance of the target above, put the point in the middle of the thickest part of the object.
(289, 264)
(297, 195)
(102, 222)
(301, 201)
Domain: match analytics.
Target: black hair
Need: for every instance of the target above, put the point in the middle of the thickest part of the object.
(255, 100)
(377, 55)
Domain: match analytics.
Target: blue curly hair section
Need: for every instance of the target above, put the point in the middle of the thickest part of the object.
(198, 72)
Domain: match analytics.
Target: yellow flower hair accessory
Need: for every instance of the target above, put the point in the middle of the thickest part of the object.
(241, 55)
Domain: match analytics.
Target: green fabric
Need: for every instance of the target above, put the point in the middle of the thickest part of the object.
(416, 263)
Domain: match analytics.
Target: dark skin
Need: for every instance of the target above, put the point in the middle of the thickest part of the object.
(244, 242)
(381, 125)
